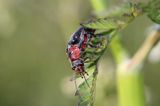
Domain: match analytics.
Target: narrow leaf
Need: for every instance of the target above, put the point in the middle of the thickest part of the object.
(86, 93)
(117, 19)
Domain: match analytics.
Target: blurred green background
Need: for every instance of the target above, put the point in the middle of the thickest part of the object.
(34, 70)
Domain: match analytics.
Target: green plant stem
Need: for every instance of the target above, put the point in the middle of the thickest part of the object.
(118, 52)
(130, 87)
(130, 79)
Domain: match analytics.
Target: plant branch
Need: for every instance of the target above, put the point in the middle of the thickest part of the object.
(149, 43)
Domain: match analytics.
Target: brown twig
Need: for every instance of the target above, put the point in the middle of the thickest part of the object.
(146, 47)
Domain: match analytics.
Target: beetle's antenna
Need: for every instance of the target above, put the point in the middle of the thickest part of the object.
(85, 79)
(77, 93)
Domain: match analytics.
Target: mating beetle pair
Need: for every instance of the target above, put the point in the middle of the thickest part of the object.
(76, 45)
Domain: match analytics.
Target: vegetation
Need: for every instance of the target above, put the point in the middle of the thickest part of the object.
(129, 78)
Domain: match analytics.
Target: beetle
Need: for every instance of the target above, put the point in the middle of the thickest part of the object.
(76, 46)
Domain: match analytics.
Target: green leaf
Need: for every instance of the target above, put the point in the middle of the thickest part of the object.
(105, 23)
(153, 10)
(85, 92)
(117, 19)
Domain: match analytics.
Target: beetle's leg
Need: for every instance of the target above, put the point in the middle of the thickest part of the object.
(86, 73)
(88, 55)
(81, 75)
(87, 59)
(91, 45)
(85, 79)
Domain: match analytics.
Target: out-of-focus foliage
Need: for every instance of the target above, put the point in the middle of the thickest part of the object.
(32, 54)
(34, 69)
(153, 10)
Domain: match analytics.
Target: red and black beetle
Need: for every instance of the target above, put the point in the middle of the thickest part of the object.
(76, 46)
